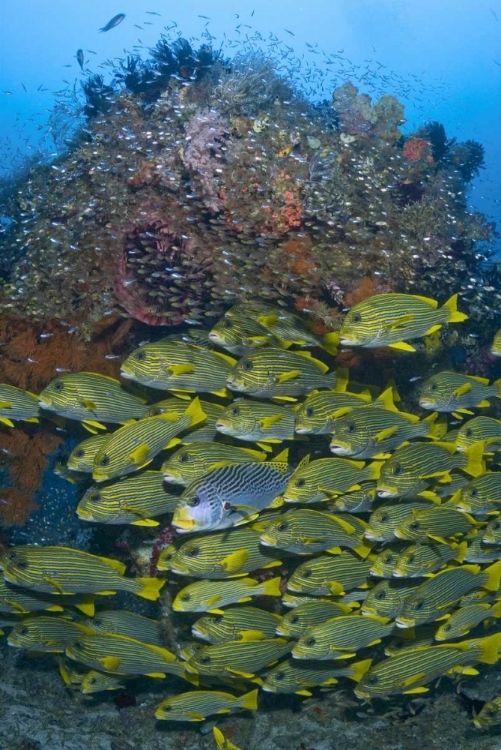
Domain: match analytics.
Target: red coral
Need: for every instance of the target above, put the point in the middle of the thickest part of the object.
(416, 149)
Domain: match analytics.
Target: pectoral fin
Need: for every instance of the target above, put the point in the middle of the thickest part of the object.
(110, 663)
(284, 377)
(140, 454)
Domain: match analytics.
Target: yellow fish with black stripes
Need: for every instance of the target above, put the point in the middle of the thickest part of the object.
(411, 671)
(457, 393)
(91, 399)
(257, 422)
(135, 500)
(210, 596)
(193, 461)
(197, 705)
(391, 319)
(64, 570)
(179, 367)
(46, 633)
(237, 623)
(17, 405)
(135, 445)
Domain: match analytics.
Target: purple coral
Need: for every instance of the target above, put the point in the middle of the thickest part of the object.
(206, 136)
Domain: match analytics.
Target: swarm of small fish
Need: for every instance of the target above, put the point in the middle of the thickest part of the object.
(374, 560)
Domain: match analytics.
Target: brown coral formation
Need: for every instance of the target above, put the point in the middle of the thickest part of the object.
(235, 166)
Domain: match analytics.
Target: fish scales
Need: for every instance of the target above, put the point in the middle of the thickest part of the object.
(120, 654)
(237, 623)
(296, 676)
(318, 480)
(437, 595)
(135, 445)
(122, 622)
(438, 521)
(63, 570)
(16, 404)
(197, 705)
(341, 636)
(82, 456)
(275, 373)
(307, 615)
(391, 319)
(318, 413)
(329, 574)
(243, 658)
(45, 633)
(457, 393)
(257, 421)
(191, 462)
(408, 672)
(479, 429)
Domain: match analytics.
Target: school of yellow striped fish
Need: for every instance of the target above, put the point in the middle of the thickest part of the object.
(365, 561)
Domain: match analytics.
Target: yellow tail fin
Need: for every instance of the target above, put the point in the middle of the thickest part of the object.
(249, 700)
(475, 464)
(341, 382)
(454, 315)
(272, 587)
(150, 587)
(358, 669)
(489, 649)
(196, 412)
(493, 573)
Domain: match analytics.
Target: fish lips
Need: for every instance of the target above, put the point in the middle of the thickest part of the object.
(223, 427)
(426, 403)
(45, 402)
(386, 492)
(404, 622)
(340, 449)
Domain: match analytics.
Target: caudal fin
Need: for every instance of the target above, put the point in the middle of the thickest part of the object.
(249, 700)
(150, 587)
(475, 464)
(454, 315)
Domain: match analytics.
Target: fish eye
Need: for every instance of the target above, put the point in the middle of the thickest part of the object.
(279, 676)
(433, 387)
(23, 631)
(11, 556)
(79, 452)
(215, 619)
(388, 558)
(227, 323)
(418, 605)
(156, 411)
(307, 573)
(447, 627)
(58, 385)
(97, 621)
(193, 502)
(96, 496)
(397, 470)
(192, 551)
(141, 356)
(372, 679)
(356, 318)
(473, 493)
(310, 641)
(351, 427)
(104, 461)
(204, 660)
(167, 708)
(381, 595)
(78, 645)
(282, 526)
(310, 411)
(300, 482)
(468, 432)
(248, 365)
(496, 525)
(235, 411)
(23, 564)
(184, 458)
(294, 618)
(185, 597)
(410, 558)
(383, 517)
(414, 526)
(92, 680)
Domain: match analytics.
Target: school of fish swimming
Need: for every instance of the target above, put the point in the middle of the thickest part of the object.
(369, 558)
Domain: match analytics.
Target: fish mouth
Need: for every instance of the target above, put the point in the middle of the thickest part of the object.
(223, 427)
(267, 689)
(302, 430)
(372, 537)
(402, 622)
(426, 403)
(183, 524)
(344, 341)
(234, 385)
(180, 570)
(126, 372)
(214, 337)
(45, 402)
(362, 694)
(266, 541)
(340, 449)
(85, 515)
(170, 477)
(386, 493)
